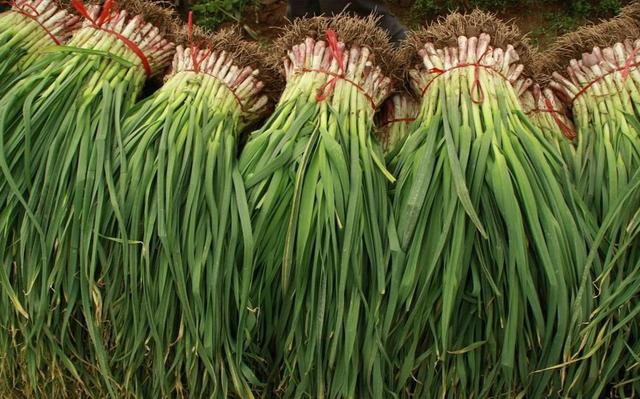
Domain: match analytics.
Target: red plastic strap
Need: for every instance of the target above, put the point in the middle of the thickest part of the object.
(625, 72)
(79, 6)
(103, 18)
(337, 77)
(326, 89)
(476, 76)
(389, 122)
(566, 130)
(105, 15)
(197, 63)
(476, 80)
(194, 55)
(233, 92)
(34, 17)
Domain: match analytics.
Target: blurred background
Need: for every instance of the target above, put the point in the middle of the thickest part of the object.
(543, 19)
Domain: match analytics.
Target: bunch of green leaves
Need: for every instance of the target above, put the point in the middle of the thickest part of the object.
(185, 246)
(58, 124)
(213, 13)
(318, 192)
(606, 174)
(492, 254)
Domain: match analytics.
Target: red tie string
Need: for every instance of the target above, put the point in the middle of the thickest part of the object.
(476, 79)
(327, 89)
(20, 10)
(105, 15)
(335, 78)
(625, 71)
(197, 63)
(397, 120)
(391, 110)
(629, 63)
(103, 18)
(82, 10)
(223, 83)
(566, 130)
(477, 85)
(194, 57)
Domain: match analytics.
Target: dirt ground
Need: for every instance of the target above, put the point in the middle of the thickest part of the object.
(542, 22)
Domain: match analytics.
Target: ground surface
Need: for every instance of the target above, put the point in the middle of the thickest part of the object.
(542, 21)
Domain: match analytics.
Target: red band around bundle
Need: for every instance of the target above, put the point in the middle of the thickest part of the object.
(566, 130)
(18, 8)
(392, 121)
(326, 89)
(103, 18)
(232, 91)
(476, 76)
(197, 63)
(333, 81)
(194, 57)
(625, 71)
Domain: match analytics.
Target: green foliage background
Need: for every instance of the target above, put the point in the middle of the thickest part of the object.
(212, 13)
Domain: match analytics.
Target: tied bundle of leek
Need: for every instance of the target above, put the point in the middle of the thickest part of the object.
(600, 85)
(59, 125)
(317, 187)
(394, 121)
(551, 116)
(188, 244)
(480, 294)
(29, 27)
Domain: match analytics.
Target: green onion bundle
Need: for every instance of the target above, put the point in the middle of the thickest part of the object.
(59, 125)
(188, 246)
(602, 89)
(601, 86)
(29, 27)
(394, 120)
(317, 187)
(481, 292)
